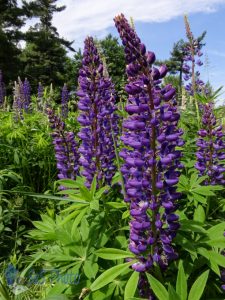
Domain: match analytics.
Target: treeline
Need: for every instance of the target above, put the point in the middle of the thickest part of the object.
(45, 59)
(45, 56)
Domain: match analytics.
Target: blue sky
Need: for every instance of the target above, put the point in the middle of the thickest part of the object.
(158, 23)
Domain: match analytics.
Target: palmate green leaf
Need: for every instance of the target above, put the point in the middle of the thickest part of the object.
(199, 198)
(93, 186)
(198, 287)
(214, 266)
(90, 269)
(181, 284)
(217, 258)
(78, 214)
(216, 231)
(48, 196)
(203, 190)
(113, 254)
(219, 243)
(109, 275)
(199, 214)
(131, 286)
(126, 214)
(193, 180)
(94, 204)
(101, 191)
(116, 205)
(173, 294)
(73, 184)
(157, 287)
(190, 225)
(79, 219)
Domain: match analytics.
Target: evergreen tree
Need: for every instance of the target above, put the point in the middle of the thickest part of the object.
(11, 20)
(45, 54)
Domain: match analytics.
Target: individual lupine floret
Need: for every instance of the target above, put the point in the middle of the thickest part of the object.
(97, 118)
(2, 90)
(152, 162)
(64, 103)
(66, 153)
(211, 146)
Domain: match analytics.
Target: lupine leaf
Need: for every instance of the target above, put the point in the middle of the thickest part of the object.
(131, 286)
(113, 254)
(157, 287)
(181, 284)
(109, 275)
(198, 287)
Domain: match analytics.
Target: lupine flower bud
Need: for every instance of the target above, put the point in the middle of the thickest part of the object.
(97, 118)
(151, 161)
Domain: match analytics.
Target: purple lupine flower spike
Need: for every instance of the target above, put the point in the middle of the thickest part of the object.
(97, 118)
(26, 95)
(151, 163)
(64, 103)
(211, 146)
(17, 102)
(2, 90)
(65, 148)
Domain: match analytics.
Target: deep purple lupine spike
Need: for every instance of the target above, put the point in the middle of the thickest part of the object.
(211, 146)
(26, 94)
(151, 163)
(97, 118)
(64, 102)
(66, 153)
(2, 90)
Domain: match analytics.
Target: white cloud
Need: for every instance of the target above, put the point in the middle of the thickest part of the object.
(94, 17)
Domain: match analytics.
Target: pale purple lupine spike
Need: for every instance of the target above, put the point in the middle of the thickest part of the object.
(151, 163)
(97, 118)
(66, 153)
(17, 102)
(40, 96)
(211, 147)
(192, 54)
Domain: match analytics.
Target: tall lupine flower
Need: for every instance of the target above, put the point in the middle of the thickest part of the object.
(26, 94)
(64, 103)
(152, 163)
(40, 96)
(211, 147)
(97, 118)
(17, 102)
(192, 62)
(2, 90)
(65, 148)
